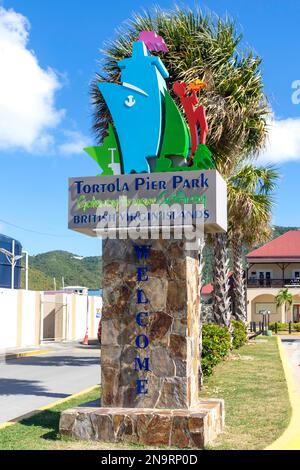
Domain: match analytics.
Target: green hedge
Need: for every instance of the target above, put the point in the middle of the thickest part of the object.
(216, 343)
(296, 327)
(239, 334)
(285, 326)
(215, 346)
(280, 326)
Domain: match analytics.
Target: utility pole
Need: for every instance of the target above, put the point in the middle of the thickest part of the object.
(13, 265)
(25, 253)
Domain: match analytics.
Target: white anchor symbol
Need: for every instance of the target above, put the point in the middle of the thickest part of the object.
(130, 101)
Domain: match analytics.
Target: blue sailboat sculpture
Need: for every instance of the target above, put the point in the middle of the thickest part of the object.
(136, 107)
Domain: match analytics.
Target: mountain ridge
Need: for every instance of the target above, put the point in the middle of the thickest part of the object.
(55, 268)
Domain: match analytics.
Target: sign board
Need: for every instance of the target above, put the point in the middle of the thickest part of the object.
(92, 200)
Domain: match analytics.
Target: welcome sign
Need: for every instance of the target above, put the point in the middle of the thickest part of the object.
(158, 185)
(197, 196)
(156, 169)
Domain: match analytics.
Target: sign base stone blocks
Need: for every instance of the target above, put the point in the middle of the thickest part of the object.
(177, 427)
(166, 410)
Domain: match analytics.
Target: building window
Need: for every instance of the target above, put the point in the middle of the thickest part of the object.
(264, 278)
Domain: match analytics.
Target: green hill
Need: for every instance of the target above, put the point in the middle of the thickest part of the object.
(277, 230)
(37, 280)
(43, 268)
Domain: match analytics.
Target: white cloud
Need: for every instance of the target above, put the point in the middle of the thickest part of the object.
(27, 91)
(283, 141)
(75, 143)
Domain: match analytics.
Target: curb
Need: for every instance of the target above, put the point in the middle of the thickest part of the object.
(37, 352)
(290, 439)
(46, 407)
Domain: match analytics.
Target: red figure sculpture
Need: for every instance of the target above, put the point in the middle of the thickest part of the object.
(195, 115)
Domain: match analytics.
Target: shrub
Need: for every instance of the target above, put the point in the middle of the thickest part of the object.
(280, 326)
(215, 346)
(239, 334)
(296, 327)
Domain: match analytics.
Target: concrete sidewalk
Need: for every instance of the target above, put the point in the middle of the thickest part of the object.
(44, 348)
(14, 353)
(289, 347)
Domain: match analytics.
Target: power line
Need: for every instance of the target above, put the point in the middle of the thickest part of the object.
(35, 231)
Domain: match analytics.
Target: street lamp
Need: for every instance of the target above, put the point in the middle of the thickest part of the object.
(12, 259)
(25, 253)
(266, 318)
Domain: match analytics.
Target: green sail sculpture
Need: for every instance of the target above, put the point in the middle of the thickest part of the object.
(108, 155)
(176, 136)
(203, 159)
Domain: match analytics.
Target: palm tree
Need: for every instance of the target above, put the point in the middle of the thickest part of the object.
(201, 46)
(284, 297)
(250, 201)
(221, 300)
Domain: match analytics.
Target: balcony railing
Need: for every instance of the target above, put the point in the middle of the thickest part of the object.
(273, 283)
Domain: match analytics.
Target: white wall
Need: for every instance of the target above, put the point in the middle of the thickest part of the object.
(84, 305)
(8, 318)
(19, 318)
(81, 309)
(78, 310)
(30, 323)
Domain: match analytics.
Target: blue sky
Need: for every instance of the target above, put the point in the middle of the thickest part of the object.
(50, 50)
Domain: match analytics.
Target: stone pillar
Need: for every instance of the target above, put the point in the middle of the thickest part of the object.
(149, 351)
(171, 325)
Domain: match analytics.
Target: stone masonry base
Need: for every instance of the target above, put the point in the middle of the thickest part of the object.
(195, 427)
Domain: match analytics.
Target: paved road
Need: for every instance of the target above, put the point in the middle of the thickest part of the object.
(31, 382)
(291, 345)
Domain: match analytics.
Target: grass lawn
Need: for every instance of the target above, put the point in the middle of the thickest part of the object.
(41, 431)
(251, 382)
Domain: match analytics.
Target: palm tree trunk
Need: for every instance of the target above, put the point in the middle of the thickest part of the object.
(239, 311)
(285, 313)
(221, 300)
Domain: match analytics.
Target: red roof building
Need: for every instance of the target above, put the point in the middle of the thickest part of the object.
(271, 268)
(207, 289)
(286, 247)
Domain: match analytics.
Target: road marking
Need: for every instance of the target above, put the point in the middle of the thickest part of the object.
(70, 397)
(290, 439)
(38, 352)
(46, 407)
